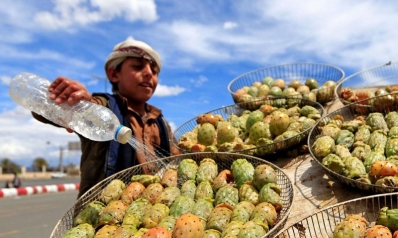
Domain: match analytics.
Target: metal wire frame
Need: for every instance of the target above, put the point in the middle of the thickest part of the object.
(237, 109)
(350, 112)
(224, 161)
(289, 72)
(369, 79)
(323, 222)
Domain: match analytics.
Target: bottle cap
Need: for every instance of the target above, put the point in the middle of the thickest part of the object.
(123, 134)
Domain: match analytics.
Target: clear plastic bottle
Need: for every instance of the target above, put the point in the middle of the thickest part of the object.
(90, 120)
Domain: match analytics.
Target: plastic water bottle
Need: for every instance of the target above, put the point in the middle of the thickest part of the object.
(90, 120)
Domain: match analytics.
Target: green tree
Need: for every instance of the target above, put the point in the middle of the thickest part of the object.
(39, 162)
(8, 166)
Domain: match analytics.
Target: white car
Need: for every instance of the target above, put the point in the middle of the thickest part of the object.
(58, 175)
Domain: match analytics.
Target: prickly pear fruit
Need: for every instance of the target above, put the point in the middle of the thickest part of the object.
(140, 233)
(106, 231)
(223, 178)
(131, 222)
(242, 171)
(259, 130)
(112, 191)
(207, 170)
(187, 169)
(206, 134)
(270, 193)
(263, 174)
(83, 230)
(157, 232)
(209, 118)
(248, 192)
(279, 123)
(383, 168)
(389, 218)
(354, 167)
(168, 196)
(219, 217)
(378, 231)
(154, 215)
(242, 211)
(227, 194)
(211, 233)
(334, 163)
(152, 192)
(168, 223)
(169, 178)
(323, 146)
(188, 225)
(264, 212)
(188, 189)
(232, 229)
(138, 208)
(132, 192)
(204, 191)
(145, 179)
(182, 205)
(89, 214)
(253, 117)
(252, 229)
(352, 226)
(113, 213)
(203, 208)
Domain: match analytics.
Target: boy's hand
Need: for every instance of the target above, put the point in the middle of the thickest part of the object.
(67, 90)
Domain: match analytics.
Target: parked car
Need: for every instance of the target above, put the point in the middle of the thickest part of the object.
(58, 175)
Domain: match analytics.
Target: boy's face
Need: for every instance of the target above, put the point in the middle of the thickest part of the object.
(137, 79)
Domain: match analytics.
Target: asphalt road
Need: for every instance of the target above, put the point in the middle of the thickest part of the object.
(35, 216)
(40, 182)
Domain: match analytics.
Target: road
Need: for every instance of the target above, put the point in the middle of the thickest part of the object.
(35, 216)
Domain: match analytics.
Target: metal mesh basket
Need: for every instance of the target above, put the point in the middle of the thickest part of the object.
(322, 223)
(369, 80)
(349, 112)
(223, 160)
(237, 109)
(289, 72)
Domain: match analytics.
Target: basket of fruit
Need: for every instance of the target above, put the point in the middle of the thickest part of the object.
(312, 81)
(368, 217)
(376, 81)
(276, 124)
(359, 145)
(189, 196)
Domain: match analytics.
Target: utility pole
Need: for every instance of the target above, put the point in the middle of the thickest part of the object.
(61, 166)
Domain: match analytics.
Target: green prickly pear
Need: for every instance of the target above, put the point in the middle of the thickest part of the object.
(168, 196)
(279, 123)
(353, 167)
(212, 233)
(264, 147)
(89, 214)
(112, 191)
(242, 171)
(248, 192)
(154, 215)
(206, 134)
(83, 230)
(138, 208)
(145, 179)
(232, 229)
(227, 194)
(263, 174)
(187, 170)
(219, 217)
(242, 211)
(352, 226)
(207, 171)
(203, 208)
(265, 212)
(204, 190)
(259, 130)
(252, 229)
(226, 133)
(389, 218)
(140, 233)
(254, 117)
(270, 193)
(323, 146)
(182, 205)
(188, 189)
(168, 222)
(188, 225)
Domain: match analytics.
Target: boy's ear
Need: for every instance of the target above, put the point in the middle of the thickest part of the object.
(113, 77)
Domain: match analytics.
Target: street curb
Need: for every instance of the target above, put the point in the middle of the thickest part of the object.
(10, 192)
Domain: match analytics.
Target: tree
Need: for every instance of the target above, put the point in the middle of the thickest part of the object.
(8, 166)
(39, 162)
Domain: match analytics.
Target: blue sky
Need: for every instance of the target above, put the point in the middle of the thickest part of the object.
(204, 44)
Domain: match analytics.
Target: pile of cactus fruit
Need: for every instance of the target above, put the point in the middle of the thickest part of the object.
(350, 95)
(364, 149)
(258, 132)
(355, 225)
(193, 199)
(269, 87)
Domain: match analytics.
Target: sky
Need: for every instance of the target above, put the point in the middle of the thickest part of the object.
(203, 44)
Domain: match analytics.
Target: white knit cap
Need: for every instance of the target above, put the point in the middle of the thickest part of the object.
(131, 48)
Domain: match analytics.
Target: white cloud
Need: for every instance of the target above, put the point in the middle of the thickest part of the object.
(202, 79)
(5, 79)
(230, 25)
(164, 91)
(67, 13)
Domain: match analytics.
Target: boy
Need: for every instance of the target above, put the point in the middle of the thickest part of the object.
(132, 68)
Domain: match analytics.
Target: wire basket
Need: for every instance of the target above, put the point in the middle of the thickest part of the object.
(350, 112)
(289, 72)
(238, 109)
(223, 160)
(322, 223)
(366, 83)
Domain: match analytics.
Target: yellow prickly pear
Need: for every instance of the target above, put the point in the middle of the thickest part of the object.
(112, 191)
(188, 226)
